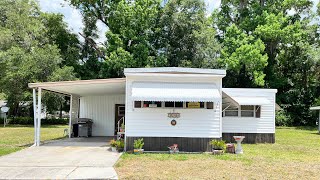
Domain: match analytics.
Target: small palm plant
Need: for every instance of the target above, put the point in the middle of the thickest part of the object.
(218, 145)
(138, 145)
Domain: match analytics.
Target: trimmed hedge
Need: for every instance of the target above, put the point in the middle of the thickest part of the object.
(30, 121)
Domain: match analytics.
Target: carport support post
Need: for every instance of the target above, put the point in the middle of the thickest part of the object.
(70, 116)
(35, 115)
(39, 116)
(319, 122)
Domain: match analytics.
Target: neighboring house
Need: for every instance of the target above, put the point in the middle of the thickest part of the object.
(317, 108)
(3, 103)
(187, 106)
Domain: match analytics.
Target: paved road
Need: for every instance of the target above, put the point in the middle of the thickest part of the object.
(60, 160)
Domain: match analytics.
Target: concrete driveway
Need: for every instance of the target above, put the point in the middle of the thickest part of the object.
(78, 158)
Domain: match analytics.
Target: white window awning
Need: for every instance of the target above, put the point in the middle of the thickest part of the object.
(194, 92)
(232, 100)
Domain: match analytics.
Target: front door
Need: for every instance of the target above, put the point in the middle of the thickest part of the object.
(119, 113)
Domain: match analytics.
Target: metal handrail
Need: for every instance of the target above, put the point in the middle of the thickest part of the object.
(119, 122)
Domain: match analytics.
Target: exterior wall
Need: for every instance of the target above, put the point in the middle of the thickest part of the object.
(250, 138)
(186, 144)
(264, 124)
(101, 109)
(153, 122)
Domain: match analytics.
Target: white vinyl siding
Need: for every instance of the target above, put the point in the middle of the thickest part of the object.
(264, 124)
(101, 109)
(154, 122)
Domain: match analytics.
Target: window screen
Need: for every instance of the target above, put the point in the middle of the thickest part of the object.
(231, 112)
(151, 104)
(247, 111)
(174, 104)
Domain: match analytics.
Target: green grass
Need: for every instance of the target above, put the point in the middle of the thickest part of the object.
(295, 155)
(14, 137)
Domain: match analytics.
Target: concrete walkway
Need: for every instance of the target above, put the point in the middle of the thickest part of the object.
(79, 158)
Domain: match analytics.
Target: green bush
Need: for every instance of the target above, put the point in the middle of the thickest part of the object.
(282, 119)
(138, 143)
(30, 121)
(218, 144)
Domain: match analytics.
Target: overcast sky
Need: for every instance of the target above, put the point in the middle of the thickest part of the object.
(73, 18)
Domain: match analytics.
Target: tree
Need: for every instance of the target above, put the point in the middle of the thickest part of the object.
(289, 37)
(58, 33)
(27, 55)
(186, 37)
(244, 57)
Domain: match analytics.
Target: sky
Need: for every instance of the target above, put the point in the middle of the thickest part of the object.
(74, 20)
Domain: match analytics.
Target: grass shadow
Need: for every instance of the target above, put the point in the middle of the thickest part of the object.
(307, 128)
(31, 126)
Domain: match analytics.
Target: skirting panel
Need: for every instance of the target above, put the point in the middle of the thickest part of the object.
(250, 138)
(161, 143)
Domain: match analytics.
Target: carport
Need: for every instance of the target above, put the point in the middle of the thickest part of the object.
(95, 98)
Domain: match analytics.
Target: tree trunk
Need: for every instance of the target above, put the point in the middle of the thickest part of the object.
(60, 114)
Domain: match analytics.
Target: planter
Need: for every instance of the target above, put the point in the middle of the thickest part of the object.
(138, 151)
(217, 151)
(113, 149)
(120, 149)
(173, 151)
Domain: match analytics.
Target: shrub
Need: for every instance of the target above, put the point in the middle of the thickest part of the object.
(30, 121)
(113, 143)
(282, 119)
(218, 144)
(138, 143)
(120, 144)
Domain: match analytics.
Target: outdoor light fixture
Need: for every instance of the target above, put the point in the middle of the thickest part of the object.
(173, 122)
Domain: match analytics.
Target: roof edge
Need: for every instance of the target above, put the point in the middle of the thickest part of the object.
(175, 70)
(251, 89)
(77, 82)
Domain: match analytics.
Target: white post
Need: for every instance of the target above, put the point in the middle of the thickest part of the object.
(70, 116)
(39, 116)
(35, 115)
(319, 122)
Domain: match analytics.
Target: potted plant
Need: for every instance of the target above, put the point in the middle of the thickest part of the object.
(218, 146)
(122, 127)
(137, 146)
(120, 145)
(173, 149)
(113, 144)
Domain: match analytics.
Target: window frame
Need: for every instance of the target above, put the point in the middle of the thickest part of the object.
(255, 109)
(184, 105)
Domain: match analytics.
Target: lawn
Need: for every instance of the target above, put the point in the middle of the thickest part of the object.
(295, 155)
(14, 138)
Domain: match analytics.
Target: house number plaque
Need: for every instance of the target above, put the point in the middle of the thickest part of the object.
(174, 115)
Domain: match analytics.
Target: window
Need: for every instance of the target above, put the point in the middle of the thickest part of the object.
(247, 111)
(243, 111)
(194, 105)
(210, 105)
(151, 104)
(174, 104)
(231, 112)
(137, 104)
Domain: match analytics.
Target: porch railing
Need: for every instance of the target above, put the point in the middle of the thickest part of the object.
(121, 120)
